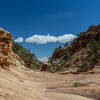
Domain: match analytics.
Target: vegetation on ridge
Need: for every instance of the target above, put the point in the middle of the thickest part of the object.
(94, 51)
(84, 52)
(28, 57)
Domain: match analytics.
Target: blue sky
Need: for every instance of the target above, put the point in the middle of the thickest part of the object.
(25, 18)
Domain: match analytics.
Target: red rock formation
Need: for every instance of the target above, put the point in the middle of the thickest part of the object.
(78, 50)
(85, 37)
(5, 41)
(58, 53)
(5, 48)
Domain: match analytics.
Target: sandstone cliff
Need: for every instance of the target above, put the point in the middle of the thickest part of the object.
(6, 54)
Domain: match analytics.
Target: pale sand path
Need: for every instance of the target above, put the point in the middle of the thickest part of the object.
(59, 96)
(30, 85)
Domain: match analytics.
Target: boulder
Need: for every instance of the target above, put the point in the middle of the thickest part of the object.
(45, 66)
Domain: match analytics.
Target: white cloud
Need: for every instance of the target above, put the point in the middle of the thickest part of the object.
(44, 59)
(19, 39)
(66, 38)
(43, 39)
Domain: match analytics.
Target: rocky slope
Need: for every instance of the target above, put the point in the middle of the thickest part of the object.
(11, 52)
(81, 55)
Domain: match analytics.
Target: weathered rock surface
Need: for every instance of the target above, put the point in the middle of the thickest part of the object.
(5, 41)
(77, 52)
(5, 49)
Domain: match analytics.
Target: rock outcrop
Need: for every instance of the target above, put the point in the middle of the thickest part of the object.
(78, 55)
(5, 41)
(11, 52)
(85, 37)
(7, 57)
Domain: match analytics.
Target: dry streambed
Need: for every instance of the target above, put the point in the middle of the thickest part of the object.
(20, 84)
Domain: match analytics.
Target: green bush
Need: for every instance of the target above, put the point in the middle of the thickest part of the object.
(58, 48)
(66, 45)
(77, 84)
(94, 51)
(68, 54)
(28, 57)
(94, 34)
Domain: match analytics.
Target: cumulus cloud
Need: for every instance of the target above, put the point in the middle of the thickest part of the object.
(44, 59)
(43, 39)
(66, 38)
(19, 39)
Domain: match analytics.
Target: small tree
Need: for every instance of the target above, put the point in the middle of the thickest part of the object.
(66, 44)
(68, 55)
(94, 51)
(58, 48)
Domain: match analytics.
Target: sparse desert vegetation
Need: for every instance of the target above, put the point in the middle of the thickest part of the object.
(29, 58)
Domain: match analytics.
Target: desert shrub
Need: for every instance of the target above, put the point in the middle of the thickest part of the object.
(77, 84)
(16, 47)
(76, 65)
(58, 48)
(68, 54)
(94, 34)
(66, 45)
(84, 68)
(91, 27)
(94, 51)
(28, 57)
